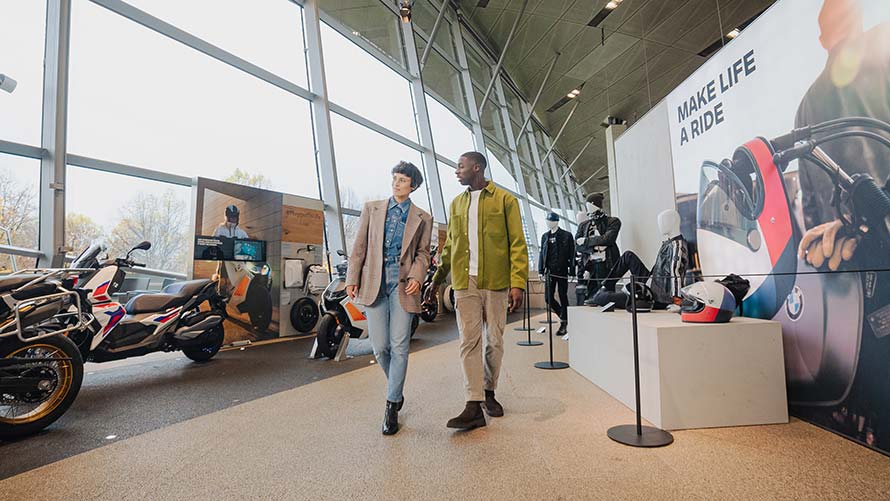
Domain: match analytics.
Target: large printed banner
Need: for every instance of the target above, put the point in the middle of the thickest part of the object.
(802, 63)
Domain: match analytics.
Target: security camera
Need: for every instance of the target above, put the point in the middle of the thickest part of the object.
(7, 83)
(610, 120)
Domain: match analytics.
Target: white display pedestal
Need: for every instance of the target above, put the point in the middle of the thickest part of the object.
(691, 375)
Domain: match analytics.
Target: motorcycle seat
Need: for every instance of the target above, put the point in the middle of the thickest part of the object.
(15, 281)
(148, 303)
(187, 288)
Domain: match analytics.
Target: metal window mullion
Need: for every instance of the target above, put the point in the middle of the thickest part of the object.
(478, 135)
(370, 124)
(53, 138)
(21, 150)
(536, 157)
(517, 166)
(128, 170)
(157, 25)
(424, 128)
(368, 47)
(552, 164)
(324, 142)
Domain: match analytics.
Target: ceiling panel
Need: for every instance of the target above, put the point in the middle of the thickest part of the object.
(651, 46)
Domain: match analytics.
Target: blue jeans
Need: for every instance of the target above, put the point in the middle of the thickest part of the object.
(389, 328)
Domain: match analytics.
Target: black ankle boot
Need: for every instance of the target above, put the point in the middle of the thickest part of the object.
(471, 417)
(492, 406)
(400, 404)
(391, 418)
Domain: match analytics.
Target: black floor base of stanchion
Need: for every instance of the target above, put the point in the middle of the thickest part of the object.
(545, 322)
(547, 364)
(652, 437)
(529, 343)
(523, 329)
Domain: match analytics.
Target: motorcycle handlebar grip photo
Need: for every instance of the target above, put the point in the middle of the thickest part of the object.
(786, 155)
(868, 198)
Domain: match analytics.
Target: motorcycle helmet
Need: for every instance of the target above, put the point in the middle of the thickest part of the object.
(707, 302)
(645, 298)
(232, 212)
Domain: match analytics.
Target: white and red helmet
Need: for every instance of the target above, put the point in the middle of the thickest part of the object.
(707, 302)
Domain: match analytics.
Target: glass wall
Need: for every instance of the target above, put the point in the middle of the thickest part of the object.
(150, 109)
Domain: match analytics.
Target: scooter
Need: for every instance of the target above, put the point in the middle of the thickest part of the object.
(429, 308)
(174, 319)
(41, 370)
(342, 319)
(310, 280)
(249, 291)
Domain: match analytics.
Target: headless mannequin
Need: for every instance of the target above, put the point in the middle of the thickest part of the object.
(670, 265)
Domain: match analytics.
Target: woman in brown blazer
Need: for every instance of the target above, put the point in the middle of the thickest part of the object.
(388, 263)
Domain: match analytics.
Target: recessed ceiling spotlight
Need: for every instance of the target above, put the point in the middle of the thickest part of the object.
(612, 5)
(732, 34)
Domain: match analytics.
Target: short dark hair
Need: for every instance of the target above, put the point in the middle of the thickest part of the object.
(477, 158)
(410, 170)
(596, 199)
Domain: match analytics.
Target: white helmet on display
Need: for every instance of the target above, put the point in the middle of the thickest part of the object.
(707, 302)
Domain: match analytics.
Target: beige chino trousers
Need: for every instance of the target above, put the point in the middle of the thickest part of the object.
(478, 311)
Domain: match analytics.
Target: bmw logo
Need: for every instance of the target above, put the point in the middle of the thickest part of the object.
(794, 303)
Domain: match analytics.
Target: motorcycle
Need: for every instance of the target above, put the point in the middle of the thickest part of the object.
(429, 308)
(173, 319)
(745, 219)
(250, 291)
(342, 319)
(41, 370)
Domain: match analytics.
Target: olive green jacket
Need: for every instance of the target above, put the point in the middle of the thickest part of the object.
(503, 256)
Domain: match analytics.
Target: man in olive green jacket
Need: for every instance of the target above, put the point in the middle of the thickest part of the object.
(485, 248)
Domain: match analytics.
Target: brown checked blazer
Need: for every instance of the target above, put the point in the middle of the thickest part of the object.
(365, 268)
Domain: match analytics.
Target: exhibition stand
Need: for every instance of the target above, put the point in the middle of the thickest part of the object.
(689, 375)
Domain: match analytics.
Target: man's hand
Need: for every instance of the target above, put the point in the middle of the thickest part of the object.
(413, 287)
(430, 295)
(351, 290)
(515, 299)
(829, 242)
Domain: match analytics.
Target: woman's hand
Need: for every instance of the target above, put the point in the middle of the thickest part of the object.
(413, 287)
(351, 290)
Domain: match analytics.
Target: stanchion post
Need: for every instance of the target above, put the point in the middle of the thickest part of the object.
(527, 320)
(550, 364)
(638, 435)
(526, 315)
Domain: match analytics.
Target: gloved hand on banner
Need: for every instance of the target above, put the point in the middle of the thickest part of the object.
(831, 243)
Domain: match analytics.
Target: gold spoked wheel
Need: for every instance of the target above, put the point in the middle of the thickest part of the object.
(29, 409)
(57, 378)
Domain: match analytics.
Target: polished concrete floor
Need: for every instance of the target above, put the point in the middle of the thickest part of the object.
(321, 441)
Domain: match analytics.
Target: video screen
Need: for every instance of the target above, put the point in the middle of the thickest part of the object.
(229, 249)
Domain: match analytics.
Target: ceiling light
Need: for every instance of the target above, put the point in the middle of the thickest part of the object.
(7, 83)
(612, 5)
(571, 96)
(732, 34)
(405, 11)
(356, 33)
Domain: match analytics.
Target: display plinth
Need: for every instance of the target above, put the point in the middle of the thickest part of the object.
(691, 375)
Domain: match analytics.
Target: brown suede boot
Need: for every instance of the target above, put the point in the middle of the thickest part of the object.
(471, 417)
(492, 406)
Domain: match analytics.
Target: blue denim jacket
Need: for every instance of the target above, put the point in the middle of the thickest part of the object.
(393, 231)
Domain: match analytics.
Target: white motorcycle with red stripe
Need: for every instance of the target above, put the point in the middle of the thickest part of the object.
(185, 316)
(342, 319)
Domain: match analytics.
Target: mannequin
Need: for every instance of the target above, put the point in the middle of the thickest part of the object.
(596, 240)
(670, 265)
(557, 258)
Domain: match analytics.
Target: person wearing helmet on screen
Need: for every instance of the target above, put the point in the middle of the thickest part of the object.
(229, 227)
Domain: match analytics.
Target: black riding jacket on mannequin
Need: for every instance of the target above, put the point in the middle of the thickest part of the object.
(557, 256)
(608, 228)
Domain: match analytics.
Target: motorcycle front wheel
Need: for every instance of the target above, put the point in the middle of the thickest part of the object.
(326, 336)
(25, 413)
